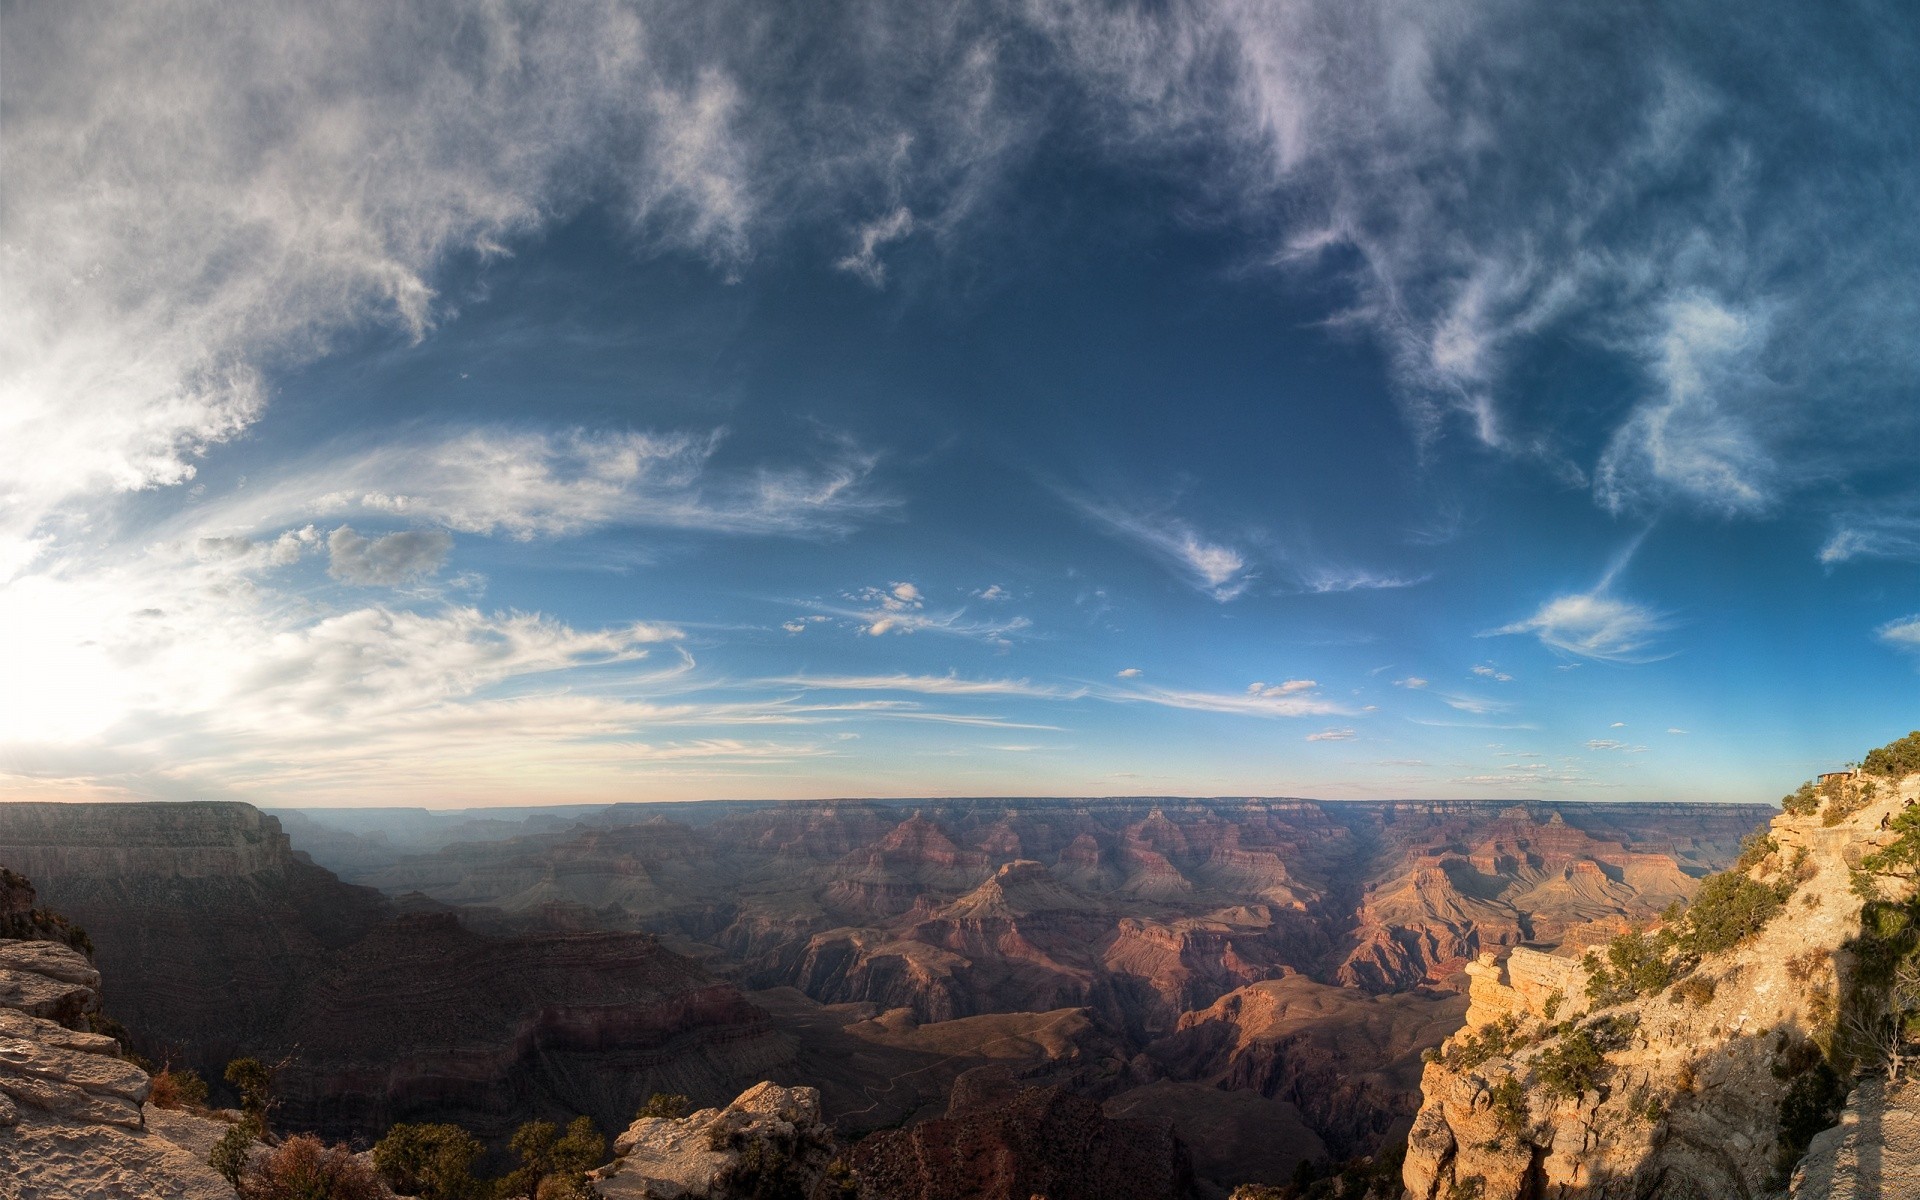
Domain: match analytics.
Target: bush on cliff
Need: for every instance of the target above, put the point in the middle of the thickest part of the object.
(1728, 909)
(251, 1078)
(1899, 858)
(434, 1162)
(1895, 760)
(228, 1158)
(178, 1089)
(665, 1106)
(552, 1164)
(1637, 965)
(304, 1168)
(1572, 1067)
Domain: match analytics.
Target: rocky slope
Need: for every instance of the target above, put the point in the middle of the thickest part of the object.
(73, 1125)
(1698, 1062)
(1002, 1141)
(222, 941)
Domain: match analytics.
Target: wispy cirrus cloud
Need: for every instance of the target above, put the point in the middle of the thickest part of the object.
(901, 608)
(1597, 626)
(1256, 701)
(930, 685)
(524, 484)
(1208, 564)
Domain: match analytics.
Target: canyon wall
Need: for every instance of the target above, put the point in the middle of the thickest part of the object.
(221, 941)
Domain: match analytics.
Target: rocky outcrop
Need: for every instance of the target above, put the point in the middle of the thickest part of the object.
(1873, 1152)
(1677, 1090)
(1002, 1141)
(769, 1142)
(72, 1123)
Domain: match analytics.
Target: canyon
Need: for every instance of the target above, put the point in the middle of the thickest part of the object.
(1268, 969)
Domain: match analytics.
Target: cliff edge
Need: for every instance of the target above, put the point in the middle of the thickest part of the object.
(1700, 1056)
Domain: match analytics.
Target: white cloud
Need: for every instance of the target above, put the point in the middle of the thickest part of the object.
(1291, 687)
(393, 558)
(1487, 672)
(1217, 569)
(1901, 634)
(526, 484)
(929, 685)
(1411, 681)
(1128, 673)
(1594, 625)
(1611, 744)
(1677, 731)
(901, 608)
(1691, 443)
(1332, 735)
(992, 592)
(1893, 534)
(869, 238)
(1253, 704)
(1477, 705)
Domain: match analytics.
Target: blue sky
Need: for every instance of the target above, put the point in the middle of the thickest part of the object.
(452, 406)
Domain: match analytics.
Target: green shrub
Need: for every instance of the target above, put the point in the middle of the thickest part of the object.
(1510, 1105)
(434, 1162)
(1572, 1067)
(1637, 965)
(1895, 760)
(1728, 909)
(229, 1155)
(661, 1104)
(1695, 989)
(1496, 1039)
(1802, 802)
(250, 1077)
(1899, 858)
(178, 1089)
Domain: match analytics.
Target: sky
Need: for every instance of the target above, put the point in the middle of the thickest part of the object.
(467, 404)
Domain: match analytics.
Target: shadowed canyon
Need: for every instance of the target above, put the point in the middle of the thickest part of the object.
(1265, 974)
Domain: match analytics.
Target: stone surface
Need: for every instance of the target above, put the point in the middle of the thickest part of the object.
(767, 1132)
(1689, 1098)
(72, 1123)
(1873, 1152)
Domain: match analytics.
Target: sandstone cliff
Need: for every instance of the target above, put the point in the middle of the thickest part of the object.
(1691, 1061)
(72, 1121)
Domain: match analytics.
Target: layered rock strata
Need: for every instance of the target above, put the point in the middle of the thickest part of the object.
(72, 1121)
(1677, 1092)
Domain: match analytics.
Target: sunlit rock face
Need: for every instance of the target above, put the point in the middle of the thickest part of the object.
(1687, 1096)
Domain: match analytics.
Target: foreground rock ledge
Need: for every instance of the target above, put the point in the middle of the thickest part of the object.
(72, 1121)
(767, 1129)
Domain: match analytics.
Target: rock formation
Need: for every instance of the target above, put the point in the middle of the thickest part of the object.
(769, 1142)
(72, 1123)
(1702, 1062)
